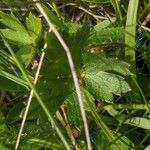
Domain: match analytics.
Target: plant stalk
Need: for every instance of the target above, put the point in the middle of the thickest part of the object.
(73, 71)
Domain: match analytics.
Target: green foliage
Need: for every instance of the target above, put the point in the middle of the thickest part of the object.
(55, 19)
(3, 147)
(100, 35)
(55, 84)
(116, 6)
(97, 1)
(3, 127)
(25, 37)
(15, 30)
(147, 148)
(14, 78)
(9, 85)
(15, 113)
(130, 32)
(100, 141)
(74, 112)
(34, 27)
(26, 54)
(133, 121)
(103, 75)
(112, 140)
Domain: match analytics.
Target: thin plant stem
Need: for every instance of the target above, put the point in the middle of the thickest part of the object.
(124, 106)
(84, 10)
(30, 96)
(73, 71)
(145, 28)
(115, 4)
(66, 125)
(29, 101)
(50, 117)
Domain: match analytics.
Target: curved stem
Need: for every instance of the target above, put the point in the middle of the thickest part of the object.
(73, 72)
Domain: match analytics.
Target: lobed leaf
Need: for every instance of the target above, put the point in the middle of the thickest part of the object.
(17, 33)
(34, 26)
(104, 76)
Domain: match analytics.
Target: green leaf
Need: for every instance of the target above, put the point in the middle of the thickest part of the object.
(111, 137)
(46, 143)
(14, 78)
(100, 141)
(139, 122)
(103, 63)
(99, 35)
(103, 76)
(14, 113)
(73, 112)
(25, 54)
(117, 8)
(3, 127)
(37, 95)
(28, 146)
(55, 20)
(15, 31)
(147, 148)
(34, 26)
(103, 85)
(130, 33)
(79, 43)
(9, 85)
(55, 83)
(42, 135)
(133, 121)
(2, 147)
(71, 29)
(104, 24)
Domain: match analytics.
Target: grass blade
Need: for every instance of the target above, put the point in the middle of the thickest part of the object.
(14, 78)
(50, 117)
(130, 33)
(133, 121)
(115, 4)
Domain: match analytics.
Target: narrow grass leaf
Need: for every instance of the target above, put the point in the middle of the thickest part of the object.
(117, 9)
(133, 121)
(14, 78)
(111, 136)
(130, 32)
